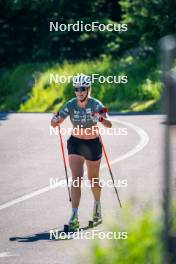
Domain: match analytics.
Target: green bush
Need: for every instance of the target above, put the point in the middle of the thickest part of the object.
(28, 88)
(143, 245)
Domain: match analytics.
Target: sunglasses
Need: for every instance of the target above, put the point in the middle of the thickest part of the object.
(80, 89)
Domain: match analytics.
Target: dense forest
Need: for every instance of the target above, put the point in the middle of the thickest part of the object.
(25, 34)
(33, 42)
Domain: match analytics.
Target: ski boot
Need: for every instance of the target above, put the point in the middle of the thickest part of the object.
(73, 225)
(97, 218)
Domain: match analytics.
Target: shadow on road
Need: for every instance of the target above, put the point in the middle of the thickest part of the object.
(32, 238)
(46, 235)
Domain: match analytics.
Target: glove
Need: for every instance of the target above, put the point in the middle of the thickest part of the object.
(97, 117)
(55, 118)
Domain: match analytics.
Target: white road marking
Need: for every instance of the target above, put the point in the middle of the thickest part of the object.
(6, 254)
(144, 139)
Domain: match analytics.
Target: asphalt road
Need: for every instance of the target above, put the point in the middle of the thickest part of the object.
(30, 208)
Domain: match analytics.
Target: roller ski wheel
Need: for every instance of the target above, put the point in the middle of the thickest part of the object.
(66, 228)
(71, 228)
(94, 222)
(91, 223)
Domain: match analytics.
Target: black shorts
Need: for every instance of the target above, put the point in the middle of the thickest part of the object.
(90, 149)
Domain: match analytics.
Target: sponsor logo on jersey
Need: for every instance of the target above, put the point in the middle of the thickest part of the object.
(88, 110)
(76, 112)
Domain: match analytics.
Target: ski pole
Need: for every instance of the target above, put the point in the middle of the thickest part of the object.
(105, 110)
(110, 171)
(64, 160)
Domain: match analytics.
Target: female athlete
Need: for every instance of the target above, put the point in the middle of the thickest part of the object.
(84, 145)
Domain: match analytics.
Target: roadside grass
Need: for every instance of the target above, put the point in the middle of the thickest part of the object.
(27, 87)
(144, 243)
(142, 246)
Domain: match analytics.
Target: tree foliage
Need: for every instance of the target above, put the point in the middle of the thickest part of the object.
(25, 35)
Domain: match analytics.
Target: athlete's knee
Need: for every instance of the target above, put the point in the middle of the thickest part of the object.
(76, 181)
(95, 182)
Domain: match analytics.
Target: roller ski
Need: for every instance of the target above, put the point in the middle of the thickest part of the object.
(97, 218)
(73, 225)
